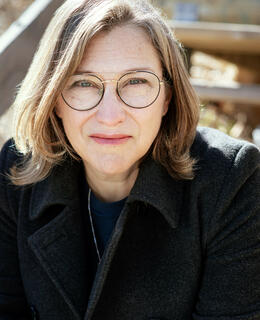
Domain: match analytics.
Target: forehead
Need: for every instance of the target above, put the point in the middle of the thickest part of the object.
(121, 49)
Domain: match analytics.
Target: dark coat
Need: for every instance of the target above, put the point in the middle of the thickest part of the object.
(180, 250)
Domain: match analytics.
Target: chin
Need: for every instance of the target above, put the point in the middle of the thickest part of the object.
(114, 165)
(114, 168)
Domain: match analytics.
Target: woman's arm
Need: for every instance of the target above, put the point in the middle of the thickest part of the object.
(230, 287)
(13, 303)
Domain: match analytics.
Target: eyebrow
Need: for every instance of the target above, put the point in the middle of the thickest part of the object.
(79, 72)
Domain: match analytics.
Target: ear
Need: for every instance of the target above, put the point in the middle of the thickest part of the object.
(57, 108)
(167, 101)
(57, 112)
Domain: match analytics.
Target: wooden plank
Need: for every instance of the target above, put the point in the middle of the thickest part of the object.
(248, 94)
(218, 37)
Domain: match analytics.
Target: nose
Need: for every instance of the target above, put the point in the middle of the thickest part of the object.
(110, 111)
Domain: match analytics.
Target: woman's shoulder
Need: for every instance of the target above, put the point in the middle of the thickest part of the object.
(9, 194)
(8, 156)
(224, 167)
(227, 172)
(220, 151)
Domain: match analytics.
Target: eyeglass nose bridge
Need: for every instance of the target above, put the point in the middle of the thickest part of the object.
(110, 80)
(116, 87)
(113, 81)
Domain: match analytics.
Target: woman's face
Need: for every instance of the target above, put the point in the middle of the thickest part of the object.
(112, 137)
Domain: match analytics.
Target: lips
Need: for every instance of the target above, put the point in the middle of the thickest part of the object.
(114, 139)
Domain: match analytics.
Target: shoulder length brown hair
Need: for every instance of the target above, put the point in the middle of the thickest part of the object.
(39, 133)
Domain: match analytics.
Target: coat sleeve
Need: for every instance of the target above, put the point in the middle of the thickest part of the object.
(230, 286)
(13, 303)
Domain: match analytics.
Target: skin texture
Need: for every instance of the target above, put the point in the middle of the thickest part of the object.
(111, 168)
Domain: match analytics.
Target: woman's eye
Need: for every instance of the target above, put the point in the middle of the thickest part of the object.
(136, 81)
(83, 84)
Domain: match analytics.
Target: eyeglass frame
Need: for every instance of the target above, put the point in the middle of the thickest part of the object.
(117, 91)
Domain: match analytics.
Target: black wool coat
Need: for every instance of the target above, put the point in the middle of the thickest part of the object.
(180, 250)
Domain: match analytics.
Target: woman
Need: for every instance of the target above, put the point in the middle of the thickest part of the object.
(113, 204)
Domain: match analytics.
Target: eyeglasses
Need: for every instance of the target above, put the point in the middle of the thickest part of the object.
(138, 89)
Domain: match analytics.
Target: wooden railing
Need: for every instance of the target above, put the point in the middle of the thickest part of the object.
(219, 37)
(230, 39)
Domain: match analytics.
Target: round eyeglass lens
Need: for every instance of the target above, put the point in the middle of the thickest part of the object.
(83, 92)
(138, 89)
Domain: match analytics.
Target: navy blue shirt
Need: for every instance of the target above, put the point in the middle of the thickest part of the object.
(104, 215)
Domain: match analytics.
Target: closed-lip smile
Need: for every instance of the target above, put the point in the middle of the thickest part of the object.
(112, 139)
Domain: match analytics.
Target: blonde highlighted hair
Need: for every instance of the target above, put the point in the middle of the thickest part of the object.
(39, 132)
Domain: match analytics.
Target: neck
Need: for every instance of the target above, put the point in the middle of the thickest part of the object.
(111, 188)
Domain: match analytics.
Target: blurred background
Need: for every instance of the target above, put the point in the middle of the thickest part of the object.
(221, 40)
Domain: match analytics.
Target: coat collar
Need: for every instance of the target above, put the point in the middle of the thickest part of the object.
(154, 186)
(59, 188)
(62, 236)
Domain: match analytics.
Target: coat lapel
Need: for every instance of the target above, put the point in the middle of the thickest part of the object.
(59, 243)
(153, 187)
(104, 266)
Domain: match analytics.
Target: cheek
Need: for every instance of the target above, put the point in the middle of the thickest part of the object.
(70, 124)
(71, 119)
(68, 115)
(73, 123)
(150, 125)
